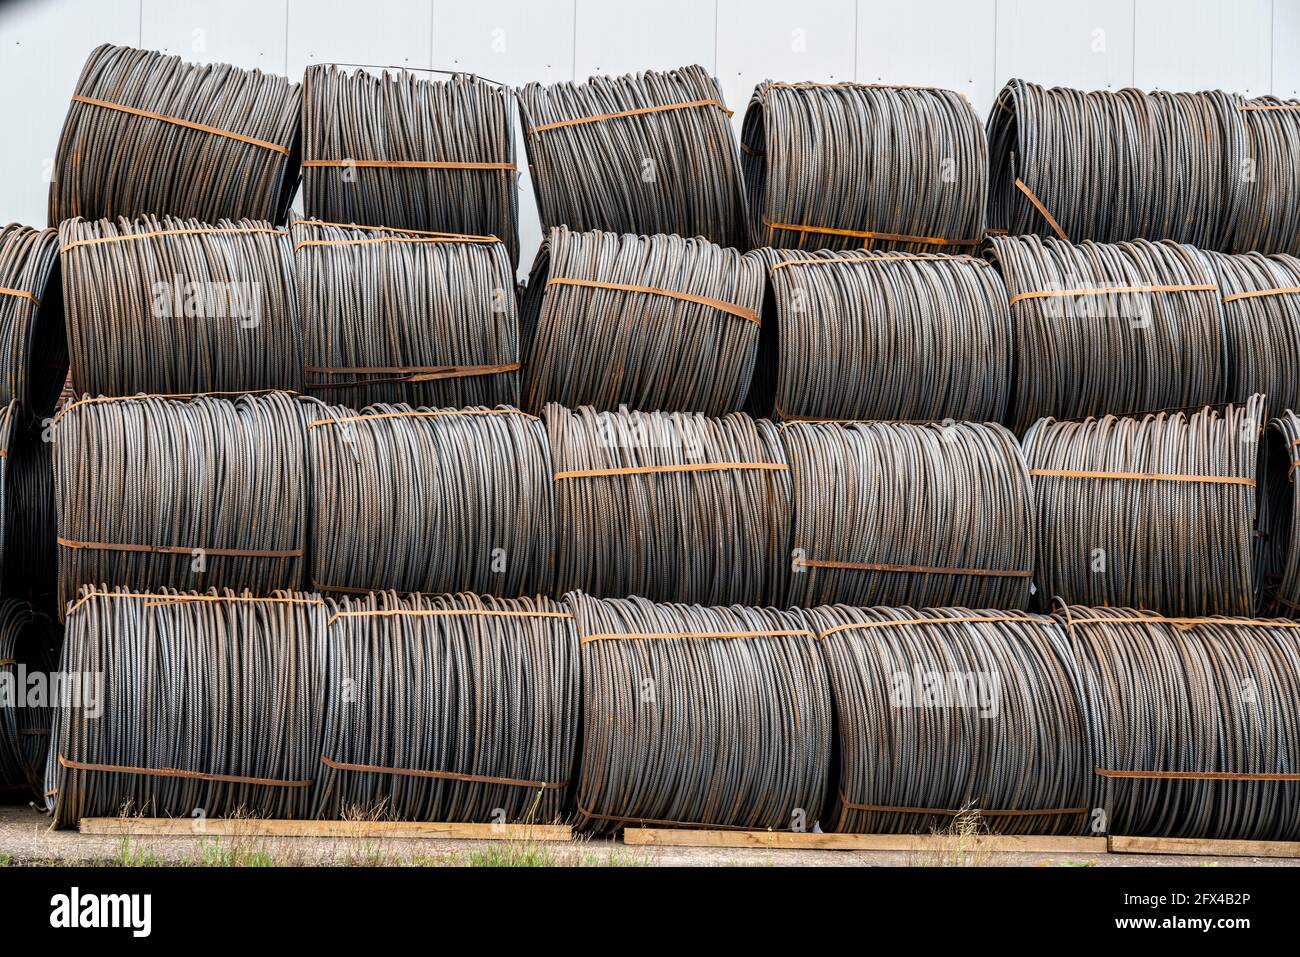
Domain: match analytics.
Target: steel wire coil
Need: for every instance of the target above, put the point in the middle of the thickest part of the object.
(918, 336)
(201, 706)
(1194, 726)
(704, 717)
(456, 708)
(1277, 567)
(1124, 328)
(651, 322)
(156, 492)
(411, 153)
(1111, 166)
(645, 153)
(1156, 512)
(29, 652)
(178, 306)
(669, 506)
(33, 348)
(901, 514)
(947, 712)
(1269, 221)
(149, 134)
(1261, 311)
(396, 316)
(28, 560)
(430, 500)
(845, 165)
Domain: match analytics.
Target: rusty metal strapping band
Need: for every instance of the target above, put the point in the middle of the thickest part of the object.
(1109, 290)
(656, 822)
(6, 662)
(405, 373)
(1196, 775)
(157, 599)
(446, 613)
(895, 809)
(868, 234)
(1270, 106)
(728, 307)
(409, 241)
(1280, 291)
(153, 395)
(624, 113)
(444, 775)
(962, 619)
(920, 257)
(404, 164)
(706, 635)
(914, 569)
(21, 294)
(177, 773)
(177, 121)
(665, 469)
(1183, 622)
(389, 229)
(181, 549)
(1038, 205)
(153, 234)
(1147, 476)
(430, 414)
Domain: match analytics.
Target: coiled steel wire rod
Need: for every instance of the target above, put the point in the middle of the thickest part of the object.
(411, 153)
(1155, 512)
(918, 336)
(456, 708)
(845, 165)
(157, 492)
(401, 316)
(1278, 552)
(1194, 726)
(28, 560)
(670, 506)
(899, 514)
(178, 306)
(1269, 220)
(33, 349)
(705, 717)
(189, 705)
(645, 153)
(29, 647)
(1111, 166)
(1124, 328)
(948, 712)
(1261, 311)
(147, 133)
(651, 322)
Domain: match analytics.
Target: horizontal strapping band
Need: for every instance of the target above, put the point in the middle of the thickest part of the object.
(642, 821)
(1184, 622)
(932, 257)
(406, 374)
(915, 569)
(176, 773)
(444, 775)
(1281, 291)
(158, 599)
(411, 241)
(188, 124)
(21, 294)
(404, 164)
(155, 395)
(387, 229)
(866, 234)
(1107, 291)
(6, 662)
(728, 307)
(446, 613)
(663, 469)
(1147, 476)
(963, 619)
(1197, 775)
(431, 414)
(893, 809)
(181, 549)
(1043, 211)
(622, 113)
(154, 234)
(709, 635)
(1270, 106)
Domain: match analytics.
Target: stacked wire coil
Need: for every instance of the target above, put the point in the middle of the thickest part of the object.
(1269, 221)
(29, 654)
(33, 347)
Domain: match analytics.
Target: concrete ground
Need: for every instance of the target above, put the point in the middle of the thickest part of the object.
(27, 840)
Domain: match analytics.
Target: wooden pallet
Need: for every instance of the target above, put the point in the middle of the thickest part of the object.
(260, 827)
(1203, 848)
(686, 837)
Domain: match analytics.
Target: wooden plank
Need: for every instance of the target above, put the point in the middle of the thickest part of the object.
(1203, 848)
(1029, 843)
(224, 827)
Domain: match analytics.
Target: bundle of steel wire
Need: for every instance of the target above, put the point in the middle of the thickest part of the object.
(456, 708)
(157, 492)
(28, 559)
(147, 133)
(1111, 166)
(917, 336)
(651, 322)
(410, 153)
(1269, 221)
(29, 652)
(646, 153)
(189, 705)
(845, 165)
(33, 350)
(1277, 567)
(704, 717)
(1123, 328)
(177, 306)
(670, 506)
(1194, 726)
(947, 712)
(399, 316)
(1261, 312)
(430, 500)
(892, 513)
(1155, 512)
